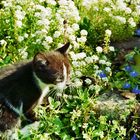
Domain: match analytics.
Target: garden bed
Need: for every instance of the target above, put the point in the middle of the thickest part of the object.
(104, 107)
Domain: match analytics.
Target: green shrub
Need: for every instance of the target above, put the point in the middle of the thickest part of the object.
(121, 17)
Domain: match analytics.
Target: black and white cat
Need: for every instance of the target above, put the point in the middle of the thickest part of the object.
(24, 85)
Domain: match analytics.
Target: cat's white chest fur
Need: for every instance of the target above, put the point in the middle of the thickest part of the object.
(44, 93)
(46, 87)
(61, 85)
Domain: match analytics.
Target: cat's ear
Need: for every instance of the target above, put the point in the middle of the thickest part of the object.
(41, 58)
(64, 49)
(40, 62)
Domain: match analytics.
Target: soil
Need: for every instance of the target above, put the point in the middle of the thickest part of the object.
(128, 44)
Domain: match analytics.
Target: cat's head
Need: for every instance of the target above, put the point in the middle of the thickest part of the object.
(53, 67)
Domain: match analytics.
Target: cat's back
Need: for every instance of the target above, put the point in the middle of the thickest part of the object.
(10, 69)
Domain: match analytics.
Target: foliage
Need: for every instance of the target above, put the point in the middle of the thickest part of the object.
(120, 16)
(75, 119)
(31, 26)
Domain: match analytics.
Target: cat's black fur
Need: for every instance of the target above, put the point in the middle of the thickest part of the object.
(20, 90)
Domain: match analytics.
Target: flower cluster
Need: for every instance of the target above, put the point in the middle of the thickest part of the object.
(132, 83)
(96, 65)
(120, 16)
(38, 25)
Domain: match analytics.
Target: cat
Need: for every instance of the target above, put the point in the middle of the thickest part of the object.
(24, 85)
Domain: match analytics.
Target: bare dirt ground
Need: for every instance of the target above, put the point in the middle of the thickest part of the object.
(128, 44)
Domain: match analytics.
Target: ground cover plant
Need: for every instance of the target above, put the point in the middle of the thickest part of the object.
(90, 26)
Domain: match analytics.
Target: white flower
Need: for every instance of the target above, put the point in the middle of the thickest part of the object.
(44, 22)
(86, 136)
(102, 62)
(91, 87)
(95, 58)
(75, 63)
(76, 45)
(47, 12)
(40, 32)
(81, 55)
(3, 42)
(26, 35)
(108, 63)
(96, 67)
(82, 39)
(56, 34)
(88, 81)
(111, 48)
(121, 5)
(7, 3)
(72, 54)
(37, 14)
(78, 73)
(23, 52)
(40, 7)
(120, 19)
(62, 2)
(89, 60)
(108, 32)
(39, 40)
(19, 14)
(82, 63)
(87, 4)
(72, 37)
(70, 30)
(52, 2)
(107, 9)
(46, 45)
(83, 32)
(131, 22)
(99, 49)
(60, 45)
(75, 27)
(96, 8)
(77, 82)
(18, 23)
(85, 125)
(108, 69)
(41, 1)
(128, 10)
(20, 38)
(49, 39)
(138, 9)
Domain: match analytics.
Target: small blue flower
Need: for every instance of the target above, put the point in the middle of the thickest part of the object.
(137, 32)
(134, 74)
(128, 68)
(126, 86)
(134, 137)
(102, 75)
(136, 90)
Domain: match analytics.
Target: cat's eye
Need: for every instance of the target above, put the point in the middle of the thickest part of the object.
(42, 64)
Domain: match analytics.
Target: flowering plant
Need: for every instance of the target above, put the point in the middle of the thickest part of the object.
(40, 25)
(120, 16)
(94, 65)
(31, 26)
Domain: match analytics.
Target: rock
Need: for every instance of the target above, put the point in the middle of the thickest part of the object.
(114, 105)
